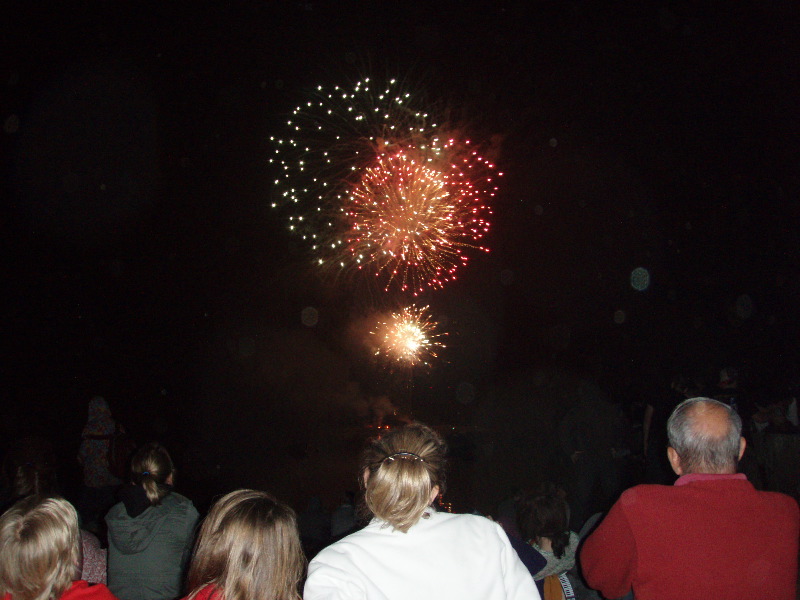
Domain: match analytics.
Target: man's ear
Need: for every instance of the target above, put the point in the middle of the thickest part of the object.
(674, 461)
(742, 446)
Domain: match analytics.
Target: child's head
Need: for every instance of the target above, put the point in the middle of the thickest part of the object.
(39, 548)
(249, 548)
(544, 514)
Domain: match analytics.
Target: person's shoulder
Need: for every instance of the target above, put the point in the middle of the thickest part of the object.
(207, 592)
(574, 539)
(781, 504)
(478, 524)
(180, 499)
(116, 512)
(462, 519)
(177, 504)
(81, 590)
(645, 492)
(339, 552)
(175, 499)
(99, 591)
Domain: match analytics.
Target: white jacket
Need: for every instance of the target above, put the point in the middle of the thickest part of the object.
(442, 557)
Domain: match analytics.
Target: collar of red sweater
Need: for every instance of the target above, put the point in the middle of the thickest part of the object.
(692, 477)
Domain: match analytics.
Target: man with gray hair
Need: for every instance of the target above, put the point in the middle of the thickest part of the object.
(711, 535)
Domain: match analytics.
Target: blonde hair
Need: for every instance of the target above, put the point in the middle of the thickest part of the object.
(151, 466)
(404, 467)
(249, 549)
(39, 549)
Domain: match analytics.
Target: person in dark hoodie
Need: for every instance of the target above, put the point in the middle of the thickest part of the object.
(150, 532)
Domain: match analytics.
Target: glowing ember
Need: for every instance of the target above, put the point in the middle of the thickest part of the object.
(409, 337)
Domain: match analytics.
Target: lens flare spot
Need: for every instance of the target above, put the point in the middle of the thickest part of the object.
(640, 279)
(309, 316)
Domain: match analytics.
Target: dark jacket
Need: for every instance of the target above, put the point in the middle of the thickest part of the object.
(149, 546)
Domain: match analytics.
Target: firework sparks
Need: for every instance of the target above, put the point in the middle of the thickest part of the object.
(373, 185)
(409, 337)
(410, 221)
(333, 136)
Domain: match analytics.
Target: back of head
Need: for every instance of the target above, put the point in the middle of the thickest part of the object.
(151, 467)
(99, 419)
(33, 479)
(403, 466)
(705, 434)
(39, 548)
(544, 514)
(249, 548)
(29, 468)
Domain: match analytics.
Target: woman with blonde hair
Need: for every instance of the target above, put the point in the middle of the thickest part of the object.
(248, 548)
(150, 532)
(409, 550)
(40, 553)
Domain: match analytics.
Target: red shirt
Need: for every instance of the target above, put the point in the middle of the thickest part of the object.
(708, 536)
(207, 592)
(80, 590)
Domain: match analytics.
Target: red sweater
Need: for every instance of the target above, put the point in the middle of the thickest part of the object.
(80, 590)
(708, 536)
(207, 592)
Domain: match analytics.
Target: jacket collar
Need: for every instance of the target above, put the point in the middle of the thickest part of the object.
(135, 499)
(692, 477)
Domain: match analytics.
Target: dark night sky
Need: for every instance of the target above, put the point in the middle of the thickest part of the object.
(144, 262)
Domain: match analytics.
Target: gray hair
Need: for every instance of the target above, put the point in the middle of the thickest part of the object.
(698, 450)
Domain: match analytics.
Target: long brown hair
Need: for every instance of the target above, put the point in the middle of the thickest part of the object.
(249, 549)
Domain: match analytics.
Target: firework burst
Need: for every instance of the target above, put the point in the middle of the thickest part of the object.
(332, 137)
(408, 338)
(410, 221)
(374, 185)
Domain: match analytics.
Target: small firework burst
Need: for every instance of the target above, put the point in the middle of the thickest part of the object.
(374, 186)
(409, 337)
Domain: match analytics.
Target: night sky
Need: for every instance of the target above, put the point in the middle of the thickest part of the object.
(144, 262)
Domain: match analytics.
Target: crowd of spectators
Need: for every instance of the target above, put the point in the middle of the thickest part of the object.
(711, 532)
